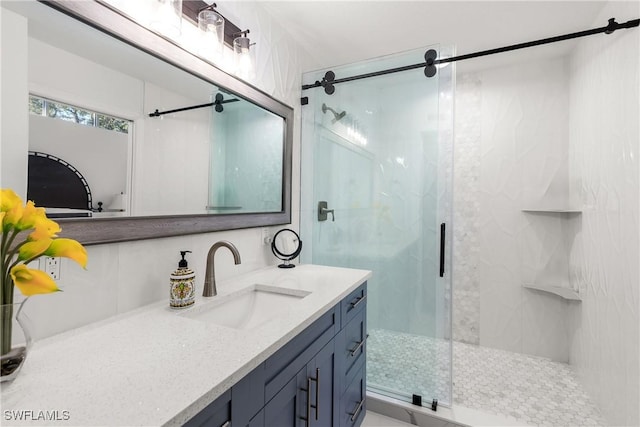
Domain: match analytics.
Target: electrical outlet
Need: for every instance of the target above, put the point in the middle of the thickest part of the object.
(266, 236)
(51, 266)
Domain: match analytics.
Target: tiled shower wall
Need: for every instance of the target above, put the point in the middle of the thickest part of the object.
(575, 122)
(466, 202)
(604, 135)
(511, 154)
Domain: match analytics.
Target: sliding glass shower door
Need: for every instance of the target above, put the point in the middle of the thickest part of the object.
(376, 195)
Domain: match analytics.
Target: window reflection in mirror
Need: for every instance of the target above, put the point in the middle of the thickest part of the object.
(77, 160)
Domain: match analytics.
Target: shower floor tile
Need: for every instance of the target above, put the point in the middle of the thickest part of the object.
(531, 389)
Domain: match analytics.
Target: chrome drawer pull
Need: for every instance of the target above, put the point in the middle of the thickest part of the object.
(317, 380)
(358, 301)
(308, 390)
(307, 419)
(354, 415)
(360, 344)
(226, 424)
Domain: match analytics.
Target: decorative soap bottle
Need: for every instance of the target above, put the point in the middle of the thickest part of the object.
(183, 285)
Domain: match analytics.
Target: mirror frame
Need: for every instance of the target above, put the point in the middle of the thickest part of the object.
(95, 231)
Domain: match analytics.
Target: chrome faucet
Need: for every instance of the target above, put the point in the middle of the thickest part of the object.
(210, 278)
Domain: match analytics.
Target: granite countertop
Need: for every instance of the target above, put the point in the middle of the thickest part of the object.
(155, 366)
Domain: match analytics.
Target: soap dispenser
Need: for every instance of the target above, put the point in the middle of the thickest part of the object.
(183, 285)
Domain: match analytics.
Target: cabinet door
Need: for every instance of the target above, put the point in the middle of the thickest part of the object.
(324, 387)
(288, 407)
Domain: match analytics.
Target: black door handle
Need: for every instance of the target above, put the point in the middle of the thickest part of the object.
(442, 234)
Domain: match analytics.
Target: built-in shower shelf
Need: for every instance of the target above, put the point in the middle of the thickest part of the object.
(566, 293)
(560, 211)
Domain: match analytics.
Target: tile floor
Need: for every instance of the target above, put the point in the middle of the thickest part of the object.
(531, 389)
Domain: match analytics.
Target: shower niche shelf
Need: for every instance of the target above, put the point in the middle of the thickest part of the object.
(566, 216)
(566, 293)
(558, 211)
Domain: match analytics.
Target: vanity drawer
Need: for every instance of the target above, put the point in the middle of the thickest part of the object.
(280, 367)
(353, 402)
(354, 303)
(351, 348)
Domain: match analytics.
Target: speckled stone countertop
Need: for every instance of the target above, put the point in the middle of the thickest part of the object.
(155, 366)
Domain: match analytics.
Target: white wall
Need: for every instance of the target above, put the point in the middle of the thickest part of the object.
(171, 156)
(14, 121)
(124, 276)
(604, 136)
(77, 81)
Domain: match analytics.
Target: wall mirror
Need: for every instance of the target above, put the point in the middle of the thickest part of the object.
(94, 78)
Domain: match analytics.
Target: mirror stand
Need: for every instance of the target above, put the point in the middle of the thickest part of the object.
(286, 246)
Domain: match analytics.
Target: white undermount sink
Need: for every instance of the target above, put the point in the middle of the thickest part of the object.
(247, 308)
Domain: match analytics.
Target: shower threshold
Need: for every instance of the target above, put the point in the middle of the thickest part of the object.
(517, 388)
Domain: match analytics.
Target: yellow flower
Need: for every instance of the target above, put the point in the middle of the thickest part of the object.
(11, 218)
(41, 241)
(8, 200)
(44, 229)
(68, 248)
(30, 217)
(34, 249)
(32, 282)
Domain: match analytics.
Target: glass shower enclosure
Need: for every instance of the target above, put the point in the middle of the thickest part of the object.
(376, 195)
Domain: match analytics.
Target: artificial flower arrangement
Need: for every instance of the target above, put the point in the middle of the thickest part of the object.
(17, 249)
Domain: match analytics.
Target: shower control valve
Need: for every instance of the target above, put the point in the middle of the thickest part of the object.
(323, 211)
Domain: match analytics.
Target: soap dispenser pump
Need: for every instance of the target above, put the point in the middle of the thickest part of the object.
(182, 281)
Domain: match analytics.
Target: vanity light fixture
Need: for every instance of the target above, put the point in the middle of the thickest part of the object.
(244, 56)
(192, 8)
(208, 20)
(211, 25)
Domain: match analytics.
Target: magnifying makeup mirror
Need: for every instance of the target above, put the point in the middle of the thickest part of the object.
(286, 245)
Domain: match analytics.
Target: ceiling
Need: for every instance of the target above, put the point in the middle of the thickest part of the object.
(341, 32)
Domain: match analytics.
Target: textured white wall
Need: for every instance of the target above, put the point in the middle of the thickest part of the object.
(604, 135)
(124, 276)
(511, 154)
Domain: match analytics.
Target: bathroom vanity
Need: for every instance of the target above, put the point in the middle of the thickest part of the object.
(317, 378)
(294, 357)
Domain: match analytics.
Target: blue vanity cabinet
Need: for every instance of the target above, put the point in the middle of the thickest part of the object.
(310, 398)
(317, 379)
(216, 414)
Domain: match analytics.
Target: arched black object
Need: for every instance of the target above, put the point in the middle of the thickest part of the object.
(286, 257)
(54, 183)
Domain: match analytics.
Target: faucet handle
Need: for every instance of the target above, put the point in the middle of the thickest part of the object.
(323, 211)
(329, 211)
